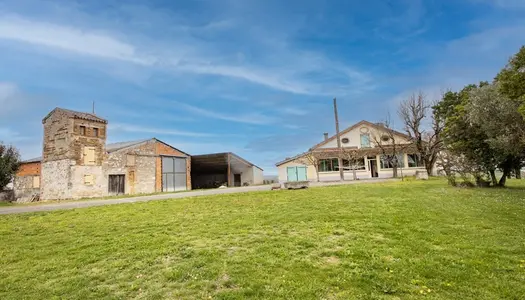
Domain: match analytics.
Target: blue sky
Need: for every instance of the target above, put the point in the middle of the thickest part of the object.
(255, 77)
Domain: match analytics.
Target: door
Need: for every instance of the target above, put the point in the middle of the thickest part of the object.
(296, 173)
(301, 173)
(116, 185)
(236, 179)
(173, 174)
(291, 173)
(372, 166)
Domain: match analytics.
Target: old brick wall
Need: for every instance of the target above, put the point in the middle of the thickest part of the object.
(78, 142)
(29, 169)
(163, 149)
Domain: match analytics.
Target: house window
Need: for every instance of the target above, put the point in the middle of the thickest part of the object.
(414, 161)
(365, 140)
(95, 132)
(82, 130)
(328, 165)
(345, 140)
(357, 164)
(388, 161)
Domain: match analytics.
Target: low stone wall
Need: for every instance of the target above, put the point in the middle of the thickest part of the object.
(23, 189)
(7, 196)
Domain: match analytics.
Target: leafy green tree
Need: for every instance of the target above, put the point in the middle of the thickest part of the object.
(9, 164)
(498, 118)
(460, 136)
(511, 79)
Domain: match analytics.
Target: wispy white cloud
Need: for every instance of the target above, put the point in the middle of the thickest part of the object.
(295, 72)
(293, 111)
(247, 118)
(503, 3)
(69, 39)
(131, 128)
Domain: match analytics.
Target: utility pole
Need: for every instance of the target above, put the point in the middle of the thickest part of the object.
(339, 159)
(93, 110)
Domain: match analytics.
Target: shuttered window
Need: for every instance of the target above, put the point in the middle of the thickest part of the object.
(89, 156)
(36, 182)
(88, 179)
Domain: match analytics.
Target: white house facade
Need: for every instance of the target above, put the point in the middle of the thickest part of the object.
(369, 160)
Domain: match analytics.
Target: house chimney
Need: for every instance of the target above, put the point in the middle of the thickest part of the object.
(325, 136)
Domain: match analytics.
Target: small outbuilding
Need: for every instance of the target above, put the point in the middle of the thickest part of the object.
(223, 169)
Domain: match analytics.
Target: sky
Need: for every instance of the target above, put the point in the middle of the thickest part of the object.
(253, 77)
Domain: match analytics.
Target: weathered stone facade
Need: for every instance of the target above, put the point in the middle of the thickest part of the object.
(137, 163)
(77, 163)
(26, 184)
(74, 149)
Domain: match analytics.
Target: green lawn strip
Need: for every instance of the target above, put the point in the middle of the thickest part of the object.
(402, 240)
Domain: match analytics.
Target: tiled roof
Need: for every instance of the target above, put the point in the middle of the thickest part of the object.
(77, 115)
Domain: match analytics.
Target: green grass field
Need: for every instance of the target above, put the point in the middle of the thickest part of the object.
(397, 240)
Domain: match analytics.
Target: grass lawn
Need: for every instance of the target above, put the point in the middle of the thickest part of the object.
(397, 240)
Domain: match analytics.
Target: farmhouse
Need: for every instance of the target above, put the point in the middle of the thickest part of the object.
(77, 163)
(368, 160)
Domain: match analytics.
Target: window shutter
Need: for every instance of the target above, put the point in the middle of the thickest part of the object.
(89, 156)
(88, 179)
(36, 182)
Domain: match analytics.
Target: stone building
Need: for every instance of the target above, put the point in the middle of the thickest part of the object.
(77, 163)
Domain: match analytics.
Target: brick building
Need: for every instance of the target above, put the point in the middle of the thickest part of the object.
(77, 163)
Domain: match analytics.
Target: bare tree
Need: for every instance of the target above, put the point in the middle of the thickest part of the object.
(312, 158)
(427, 141)
(389, 145)
(354, 159)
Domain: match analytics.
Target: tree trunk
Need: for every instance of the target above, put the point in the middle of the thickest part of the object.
(493, 177)
(503, 178)
(317, 173)
(394, 172)
(518, 173)
(355, 174)
(430, 165)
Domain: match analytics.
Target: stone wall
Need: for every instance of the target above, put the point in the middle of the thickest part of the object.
(78, 142)
(55, 180)
(137, 164)
(24, 189)
(56, 137)
(6, 196)
(96, 185)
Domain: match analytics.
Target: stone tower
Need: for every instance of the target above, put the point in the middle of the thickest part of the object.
(73, 153)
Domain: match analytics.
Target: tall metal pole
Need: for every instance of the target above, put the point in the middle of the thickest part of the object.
(339, 158)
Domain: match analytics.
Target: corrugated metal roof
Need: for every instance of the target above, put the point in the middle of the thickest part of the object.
(32, 160)
(121, 145)
(77, 115)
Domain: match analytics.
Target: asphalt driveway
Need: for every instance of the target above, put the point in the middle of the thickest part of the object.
(94, 202)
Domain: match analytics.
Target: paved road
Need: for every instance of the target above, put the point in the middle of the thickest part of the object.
(90, 203)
